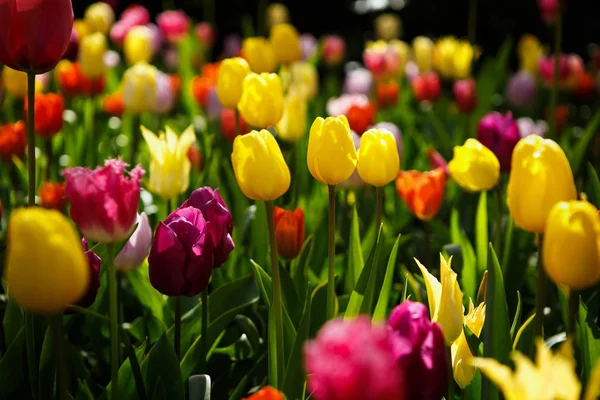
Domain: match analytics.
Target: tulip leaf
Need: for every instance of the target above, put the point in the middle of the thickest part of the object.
(496, 329)
(384, 296)
(83, 391)
(163, 367)
(481, 234)
(318, 312)
(127, 381)
(12, 322)
(11, 366)
(594, 183)
(145, 292)
(588, 338)
(524, 337)
(294, 382)
(46, 367)
(577, 156)
(355, 255)
(473, 341)
(517, 318)
(199, 387)
(468, 275)
(290, 296)
(301, 264)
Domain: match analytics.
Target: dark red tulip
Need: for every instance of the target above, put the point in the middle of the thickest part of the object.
(465, 94)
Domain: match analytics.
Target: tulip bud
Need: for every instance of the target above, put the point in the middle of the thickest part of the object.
(423, 49)
(139, 88)
(378, 161)
(259, 166)
(266, 393)
(15, 82)
(173, 24)
(49, 110)
(12, 141)
(331, 154)
(465, 94)
(261, 103)
(91, 55)
(46, 269)
(93, 262)
(426, 87)
(292, 125)
(571, 247)
(540, 177)
(521, 89)
(232, 72)
(137, 247)
(289, 232)
(423, 192)
(474, 167)
(286, 43)
(138, 45)
(100, 17)
(395, 131)
(499, 133)
(52, 196)
(334, 50)
(260, 54)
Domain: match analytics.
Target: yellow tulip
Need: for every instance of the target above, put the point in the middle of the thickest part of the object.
(46, 269)
(462, 369)
(82, 27)
(286, 43)
(232, 72)
(378, 161)
(331, 154)
(388, 26)
(463, 60)
(260, 170)
(530, 50)
(403, 50)
(540, 177)
(304, 76)
(423, 49)
(170, 165)
(261, 104)
(91, 54)
(445, 299)
(292, 125)
(277, 13)
(552, 377)
(571, 247)
(138, 45)
(260, 54)
(139, 88)
(474, 167)
(15, 82)
(593, 390)
(100, 17)
(453, 58)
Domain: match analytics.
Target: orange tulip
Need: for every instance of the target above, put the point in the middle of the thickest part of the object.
(387, 93)
(52, 196)
(201, 87)
(12, 141)
(266, 393)
(422, 192)
(73, 82)
(289, 232)
(113, 104)
(49, 110)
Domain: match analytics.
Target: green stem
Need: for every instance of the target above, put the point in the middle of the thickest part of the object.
(120, 303)
(62, 380)
(49, 159)
(31, 137)
(277, 305)
(472, 21)
(554, 90)
(238, 128)
(498, 231)
(573, 308)
(32, 363)
(135, 140)
(331, 275)
(540, 298)
(379, 212)
(91, 132)
(114, 322)
(450, 375)
(177, 338)
(204, 332)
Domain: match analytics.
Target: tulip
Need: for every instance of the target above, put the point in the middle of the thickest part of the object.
(378, 162)
(305, 78)
(139, 88)
(201, 88)
(387, 93)
(331, 154)
(334, 50)
(527, 127)
(426, 87)
(462, 357)
(381, 59)
(445, 299)
(360, 117)
(289, 232)
(173, 24)
(285, 41)
(423, 49)
(277, 13)
(232, 72)
(52, 196)
(499, 133)
(359, 81)
(165, 94)
(453, 58)
(465, 94)
(195, 157)
(266, 393)
(423, 192)
(259, 167)
(474, 167)
(138, 45)
(227, 121)
(113, 104)
(553, 376)
(12, 141)
(134, 15)
(571, 247)
(91, 55)
(82, 28)
(340, 105)
(100, 17)
(232, 46)
(190, 243)
(137, 247)
(49, 110)
(73, 82)
(584, 86)
(34, 35)
(260, 54)
(425, 363)
(354, 360)
(93, 262)
(73, 46)
(15, 82)
(354, 182)
(521, 89)
(45, 269)
(104, 203)
(546, 69)
(388, 26)
(205, 34)
(549, 10)
(309, 45)
(169, 166)
(261, 103)
(540, 177)
(530, 50)
(292, 125)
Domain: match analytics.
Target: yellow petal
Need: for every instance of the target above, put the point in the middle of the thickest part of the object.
(434, 289)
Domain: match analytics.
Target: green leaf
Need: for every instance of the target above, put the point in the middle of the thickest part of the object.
(301, 264)
(496, 330)
(291, 300)
(83, 391)
(517, 318)
(11, 366)
(481, 234)
(594, 184)
(13, 321)
(200, 387)
(468, 275)
(524, 338)
(145, 292)
(47, 367)
(588, 336)
(163, 366)
(355, 255)
(583, 143)
(384, 296)
(294, 381)
(127, 386)
(318, 313)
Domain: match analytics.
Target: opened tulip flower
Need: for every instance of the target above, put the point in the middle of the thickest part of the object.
(423, 192)
(571, 249)
(462, 369)
(260, 54)
(261, 103)
(48, 114)
(285, 41)
(137, 247)
(232, 72)
(289, 232)
(93, 262)
(499, 133)
(12, 141)
(292, 126)
(331, 156)
(139, 88)
(100, 17)
(104, 203)
(52, 273)
(26, 41)
(445, 299)
(474, 167)
(378, 162)
(259, 166)
(138, 45)
(170, 166)
(541, 171)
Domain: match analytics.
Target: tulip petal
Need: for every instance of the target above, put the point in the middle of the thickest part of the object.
(434, 289)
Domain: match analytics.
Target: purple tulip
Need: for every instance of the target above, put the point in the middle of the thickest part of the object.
(309, 44)
(232, 45)
(94, 263)
(137, 247)
(213, 105)
(424, 360)
(499, 133)
(358, 81)
(521, 89)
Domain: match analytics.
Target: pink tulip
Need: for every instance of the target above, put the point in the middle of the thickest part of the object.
(137, 247)
(133, 16)
(173, 24)
(205, 34)
(104, 203)
(334, 50)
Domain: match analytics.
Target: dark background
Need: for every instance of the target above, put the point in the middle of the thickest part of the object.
(496, 19)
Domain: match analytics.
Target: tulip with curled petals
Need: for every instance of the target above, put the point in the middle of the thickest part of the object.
(259, 166)
(261, 104)
(232, 72)
(378, 162)
(474, 167)
(137, 247)
(462, 369)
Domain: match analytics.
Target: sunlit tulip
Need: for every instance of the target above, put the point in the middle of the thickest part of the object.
(462, 369)
(423, 50)
(100, 17)
(499, 133)
(571, 250)
(378, 162)
(292, 125)
(261, 103)
(232, 72)
(474, 167)
(15, 82)
(46, 269)
(285, 41)
(331, 154)
(289, 232)
(540, 177)
(173, 24)
(260, 55)
(139, 88)
(91, 55)
(12, 141)
(138, 45)
(137, 247)
(259, 166)
(52, 196)
(423, 192)
(169, 165)
(49, 110)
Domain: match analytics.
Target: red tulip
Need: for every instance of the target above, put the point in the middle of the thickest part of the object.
(52, 196)
(228, 128)
(361, 117)
(465, 94)
(195, 158)
(289, 232)
(73, 82)
(49, 110)
(12, 141)
(584, 86)
(387, 93)
(426, 87)
(34, 34)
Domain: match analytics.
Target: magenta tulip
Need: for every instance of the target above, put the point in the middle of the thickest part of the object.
(173, 24)
(465, 94)
(499, 133)
(94, 263)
